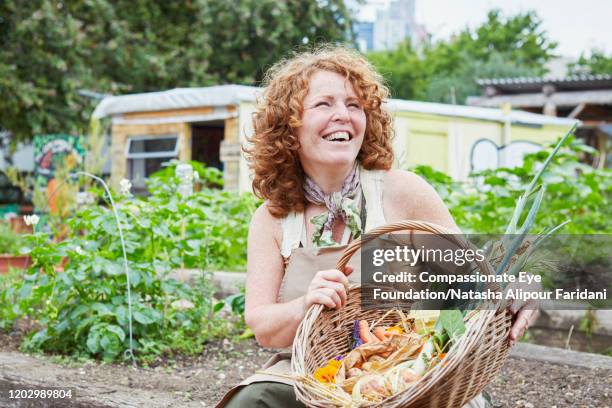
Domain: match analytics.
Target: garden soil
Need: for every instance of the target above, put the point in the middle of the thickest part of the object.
(201, 381)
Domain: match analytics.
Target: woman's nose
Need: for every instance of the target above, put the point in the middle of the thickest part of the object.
(341, 113)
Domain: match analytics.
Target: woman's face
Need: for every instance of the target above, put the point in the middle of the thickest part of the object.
(333, 123)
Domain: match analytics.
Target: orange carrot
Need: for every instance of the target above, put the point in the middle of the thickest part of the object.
(364, 333)
(380, 333)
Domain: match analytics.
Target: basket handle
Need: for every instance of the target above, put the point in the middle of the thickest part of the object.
(448, 234)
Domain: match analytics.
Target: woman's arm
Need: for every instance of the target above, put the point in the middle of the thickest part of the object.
(273, 323)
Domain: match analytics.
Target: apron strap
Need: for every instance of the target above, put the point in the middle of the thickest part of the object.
(292, 226)
(372, 182)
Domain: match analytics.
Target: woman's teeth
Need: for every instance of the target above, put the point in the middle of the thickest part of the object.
(337, 137)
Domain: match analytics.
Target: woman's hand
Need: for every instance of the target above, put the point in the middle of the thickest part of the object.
(328, 288)
(524, 313)
(524, 316)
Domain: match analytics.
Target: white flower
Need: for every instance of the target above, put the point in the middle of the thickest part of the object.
(182, 304)
(79, 250)
(125, 185)
(31, 219)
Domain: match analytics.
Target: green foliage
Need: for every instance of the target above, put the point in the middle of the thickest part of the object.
(50, 49)
(588, 323)
(406, 72)
(10, 241)
(455, 87)
(210, 176)
(451, 320)
(596, 63)
(501, 46)
(520, 38)
(8, 298)
(218, 219)
(574, 191)
(83, 311)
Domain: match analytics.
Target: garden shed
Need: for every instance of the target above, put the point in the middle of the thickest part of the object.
(202, 124)
(209, 124)
(587, 98)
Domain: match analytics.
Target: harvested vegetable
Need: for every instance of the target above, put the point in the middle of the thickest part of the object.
(364, 333)
(388, 359)
(381, 333)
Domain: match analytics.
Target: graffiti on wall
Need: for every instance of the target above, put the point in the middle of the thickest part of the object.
(53, 154)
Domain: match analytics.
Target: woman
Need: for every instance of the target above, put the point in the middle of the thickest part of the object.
(321, 155)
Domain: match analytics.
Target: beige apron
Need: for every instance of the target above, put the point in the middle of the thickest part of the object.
(303, 262)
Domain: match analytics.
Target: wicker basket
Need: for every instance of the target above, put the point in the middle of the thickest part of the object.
(469, 366)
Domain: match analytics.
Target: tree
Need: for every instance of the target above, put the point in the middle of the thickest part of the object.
(50, 49)
(499, 47)
(519, 38)
(597, 63)
(457, 86)
(41, 69)
(405, 71)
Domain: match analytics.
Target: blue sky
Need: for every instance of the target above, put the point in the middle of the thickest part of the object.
(576, 25)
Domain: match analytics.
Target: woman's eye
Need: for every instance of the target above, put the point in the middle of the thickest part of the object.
(322, 103)
(354, 105)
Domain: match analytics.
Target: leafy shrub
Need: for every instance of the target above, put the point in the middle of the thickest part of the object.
(574, 191)
(210, 177)
(8, 298)
(84, 310)
(10, 241)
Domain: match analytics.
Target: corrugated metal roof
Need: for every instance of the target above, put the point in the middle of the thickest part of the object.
(575, 83)
(542, 80)
(475, 112)
(179, 98)
(224, 95)
(538, 100)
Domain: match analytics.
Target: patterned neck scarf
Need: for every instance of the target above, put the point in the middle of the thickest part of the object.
(340, 204)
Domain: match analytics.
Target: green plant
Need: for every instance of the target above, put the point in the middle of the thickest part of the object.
(8, 298)
(28, 187)
(574, 191)
(209, 177)
(588, 323)
(84, 310)
(10, 241)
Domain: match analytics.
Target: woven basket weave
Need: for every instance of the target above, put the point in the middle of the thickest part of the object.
(469, 365)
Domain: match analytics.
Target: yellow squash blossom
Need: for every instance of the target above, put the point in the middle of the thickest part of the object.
(327, 374)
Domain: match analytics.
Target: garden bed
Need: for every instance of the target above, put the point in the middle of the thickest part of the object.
(201, 381)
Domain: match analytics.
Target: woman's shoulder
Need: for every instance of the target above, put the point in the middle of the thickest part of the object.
(405, 185)
(264, 224)
(409, 196)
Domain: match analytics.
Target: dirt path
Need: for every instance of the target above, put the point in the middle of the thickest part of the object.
(201, 381)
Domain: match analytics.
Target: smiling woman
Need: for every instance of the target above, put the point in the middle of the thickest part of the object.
(321, 156)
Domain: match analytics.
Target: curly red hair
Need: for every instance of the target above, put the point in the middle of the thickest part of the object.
(273, 151)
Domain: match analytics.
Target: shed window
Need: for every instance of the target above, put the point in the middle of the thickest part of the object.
(146, 154)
